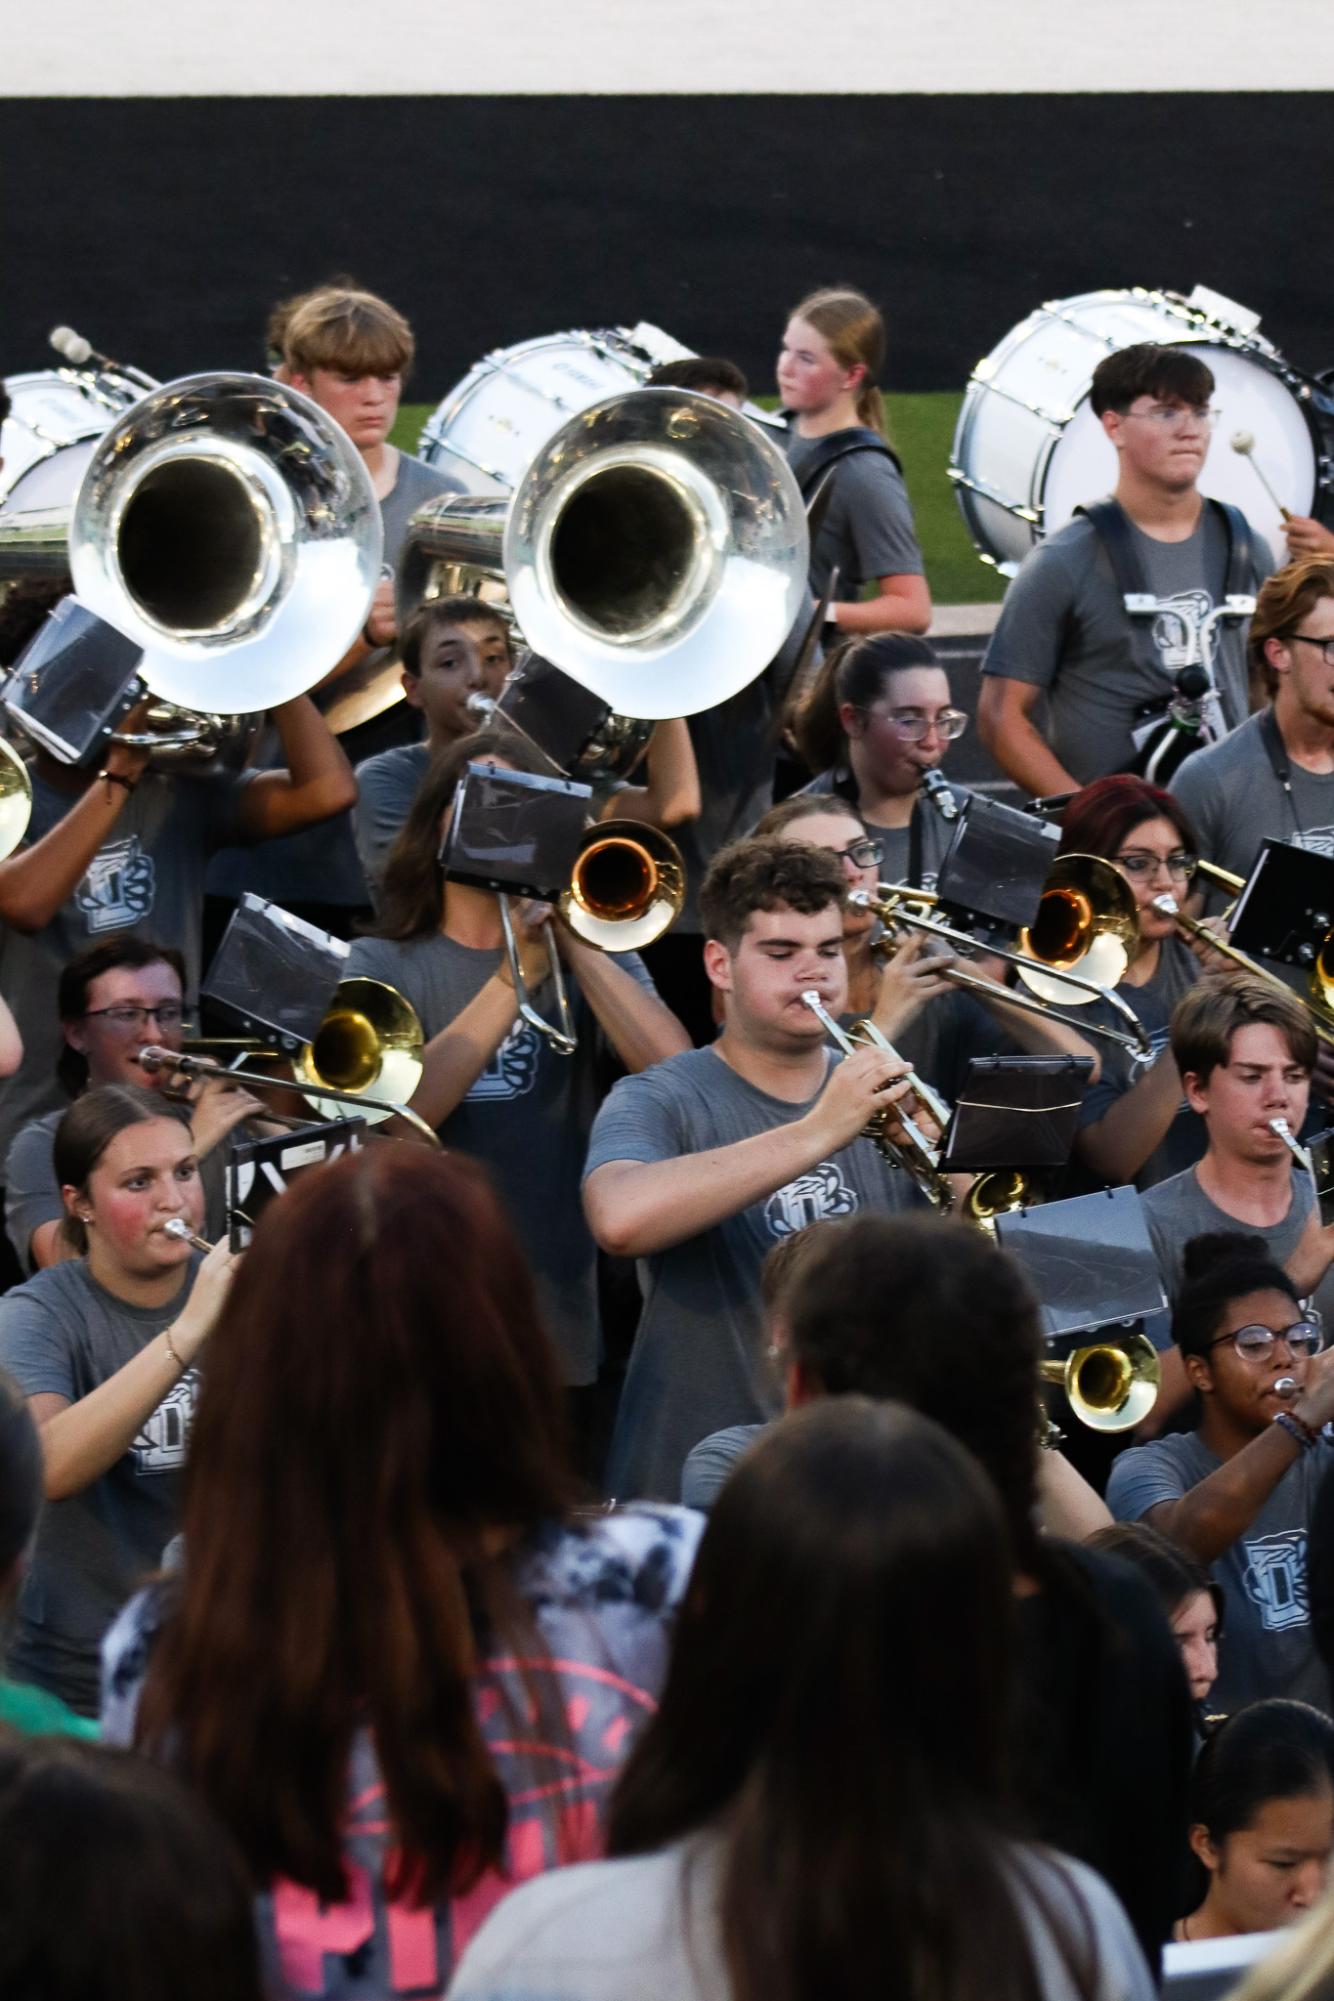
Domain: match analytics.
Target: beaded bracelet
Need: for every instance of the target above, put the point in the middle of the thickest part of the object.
(1298, 1429)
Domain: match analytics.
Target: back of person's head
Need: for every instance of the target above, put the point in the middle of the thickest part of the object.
(766, 875)
(21, 1478)
(414, 880)
(1283, 604)
(1148, 369)
(351, 332)
(118, 1886)
(1102, 815)
(855, 332)
(1206, 1018)
(128, 950)
(1218, 1269)
(88, 1128)
(855, 672)
(437, 614)
(931, 1313)
(835, 1709)
(1272, 1750)
(1172, 1572)
(381, 1401)
(707, 374)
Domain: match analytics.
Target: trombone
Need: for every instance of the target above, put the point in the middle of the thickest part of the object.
(1319, 1003)
(626, 887)
(1110, 1386)
(370, 1036)
(1077, 911)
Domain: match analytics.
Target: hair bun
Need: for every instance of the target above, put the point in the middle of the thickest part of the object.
(1220, 1247)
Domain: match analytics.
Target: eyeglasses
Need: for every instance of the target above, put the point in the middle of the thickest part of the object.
(130, 1016)
(862, 854)
(1326, 646)
(1256, 1344)
(1139, 862)
(912, 725)
(1178, 416)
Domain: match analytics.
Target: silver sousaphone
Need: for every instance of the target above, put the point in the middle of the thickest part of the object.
(226, 525)
(655, 549)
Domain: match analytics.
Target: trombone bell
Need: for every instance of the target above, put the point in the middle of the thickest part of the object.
(1110, 1386)
(1086, 923)
(370, 1040)
(626, 888)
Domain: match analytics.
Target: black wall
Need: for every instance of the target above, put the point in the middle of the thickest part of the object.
(163, 228)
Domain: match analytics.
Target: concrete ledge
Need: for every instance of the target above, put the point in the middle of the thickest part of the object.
(963, 621)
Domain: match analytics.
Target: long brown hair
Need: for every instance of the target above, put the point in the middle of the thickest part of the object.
(411, 899)
(363, 1430)
(852, 326)
(836, 1710)
(855, 671)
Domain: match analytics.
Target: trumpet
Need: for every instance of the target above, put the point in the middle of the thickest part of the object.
(626, 888)
(914, 1151)
(1319, 1001)
(370, 1035)
(1110, 1386)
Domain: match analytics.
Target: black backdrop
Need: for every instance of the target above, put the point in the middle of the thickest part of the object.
(163, 228)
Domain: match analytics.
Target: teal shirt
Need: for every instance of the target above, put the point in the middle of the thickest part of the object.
(34, 1712)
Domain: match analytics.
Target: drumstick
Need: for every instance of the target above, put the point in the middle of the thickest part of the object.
(1244, 443)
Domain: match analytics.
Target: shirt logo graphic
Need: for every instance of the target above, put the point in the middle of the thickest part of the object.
(118, 888)
(1275, 1579)
(1176, 628)
(813, 1196)
(512, 1070)
(160, 1446)
(1316, 840)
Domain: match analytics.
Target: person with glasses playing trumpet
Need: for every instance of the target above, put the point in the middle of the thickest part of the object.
(1064, 632)
(112, 1000)
(1239, 1489)
(1274, 776)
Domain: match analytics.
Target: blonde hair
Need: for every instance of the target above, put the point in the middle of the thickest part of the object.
(1302, 1969)
(852, 326)
(354, 332)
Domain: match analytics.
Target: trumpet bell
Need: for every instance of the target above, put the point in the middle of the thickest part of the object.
(15, 798)
(1110, 1386)
(626, 888)
(370, 1040)
(229, 527)
(1087, 922)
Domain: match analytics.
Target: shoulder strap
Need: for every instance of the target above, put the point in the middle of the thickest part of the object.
(1241, 579)
(1113, 531)
(842, 445)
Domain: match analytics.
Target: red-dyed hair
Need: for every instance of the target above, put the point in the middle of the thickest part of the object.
(378, 1399)
(1100, 816)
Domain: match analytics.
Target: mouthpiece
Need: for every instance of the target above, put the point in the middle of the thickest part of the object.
(1167, 906)
(1243, 441)
(185, 1235)
(72, 346)
(1286, 1386)
(938, 792)
(481, 706)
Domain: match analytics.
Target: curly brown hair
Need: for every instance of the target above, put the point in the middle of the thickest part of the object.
(766, 875)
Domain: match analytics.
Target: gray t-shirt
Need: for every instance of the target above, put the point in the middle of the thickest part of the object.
(709, 1463)
(696, 1362)
(1178, 1209)
(1267, 1647)
(1184, 1142)
(148, 876)
(32, 1193)
(868, 525)
(386, 788)
(320, 864)
(647, 1926)
(1063, 627)
(1234, 800)
(928, 830)
(528, 1117)
(64, 1333)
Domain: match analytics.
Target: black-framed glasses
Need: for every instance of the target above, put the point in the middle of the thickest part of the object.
(1325, 646)
(1256, 1344)
(1139, 862)
(129, 1015)
(948, 724)
(862, 854)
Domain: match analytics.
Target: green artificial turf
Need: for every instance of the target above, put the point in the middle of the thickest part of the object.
(921, 429)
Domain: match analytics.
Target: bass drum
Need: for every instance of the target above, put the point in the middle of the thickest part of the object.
(47, 439)
(1028, 449)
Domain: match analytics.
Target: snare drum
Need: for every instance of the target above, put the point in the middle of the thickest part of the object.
(492, 424)
(48, 437)
(1028, 449)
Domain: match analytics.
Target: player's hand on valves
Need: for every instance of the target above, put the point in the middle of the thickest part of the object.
(911, 977)
(861, 1086)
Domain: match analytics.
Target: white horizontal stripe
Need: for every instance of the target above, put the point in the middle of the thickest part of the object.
(277, 48)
